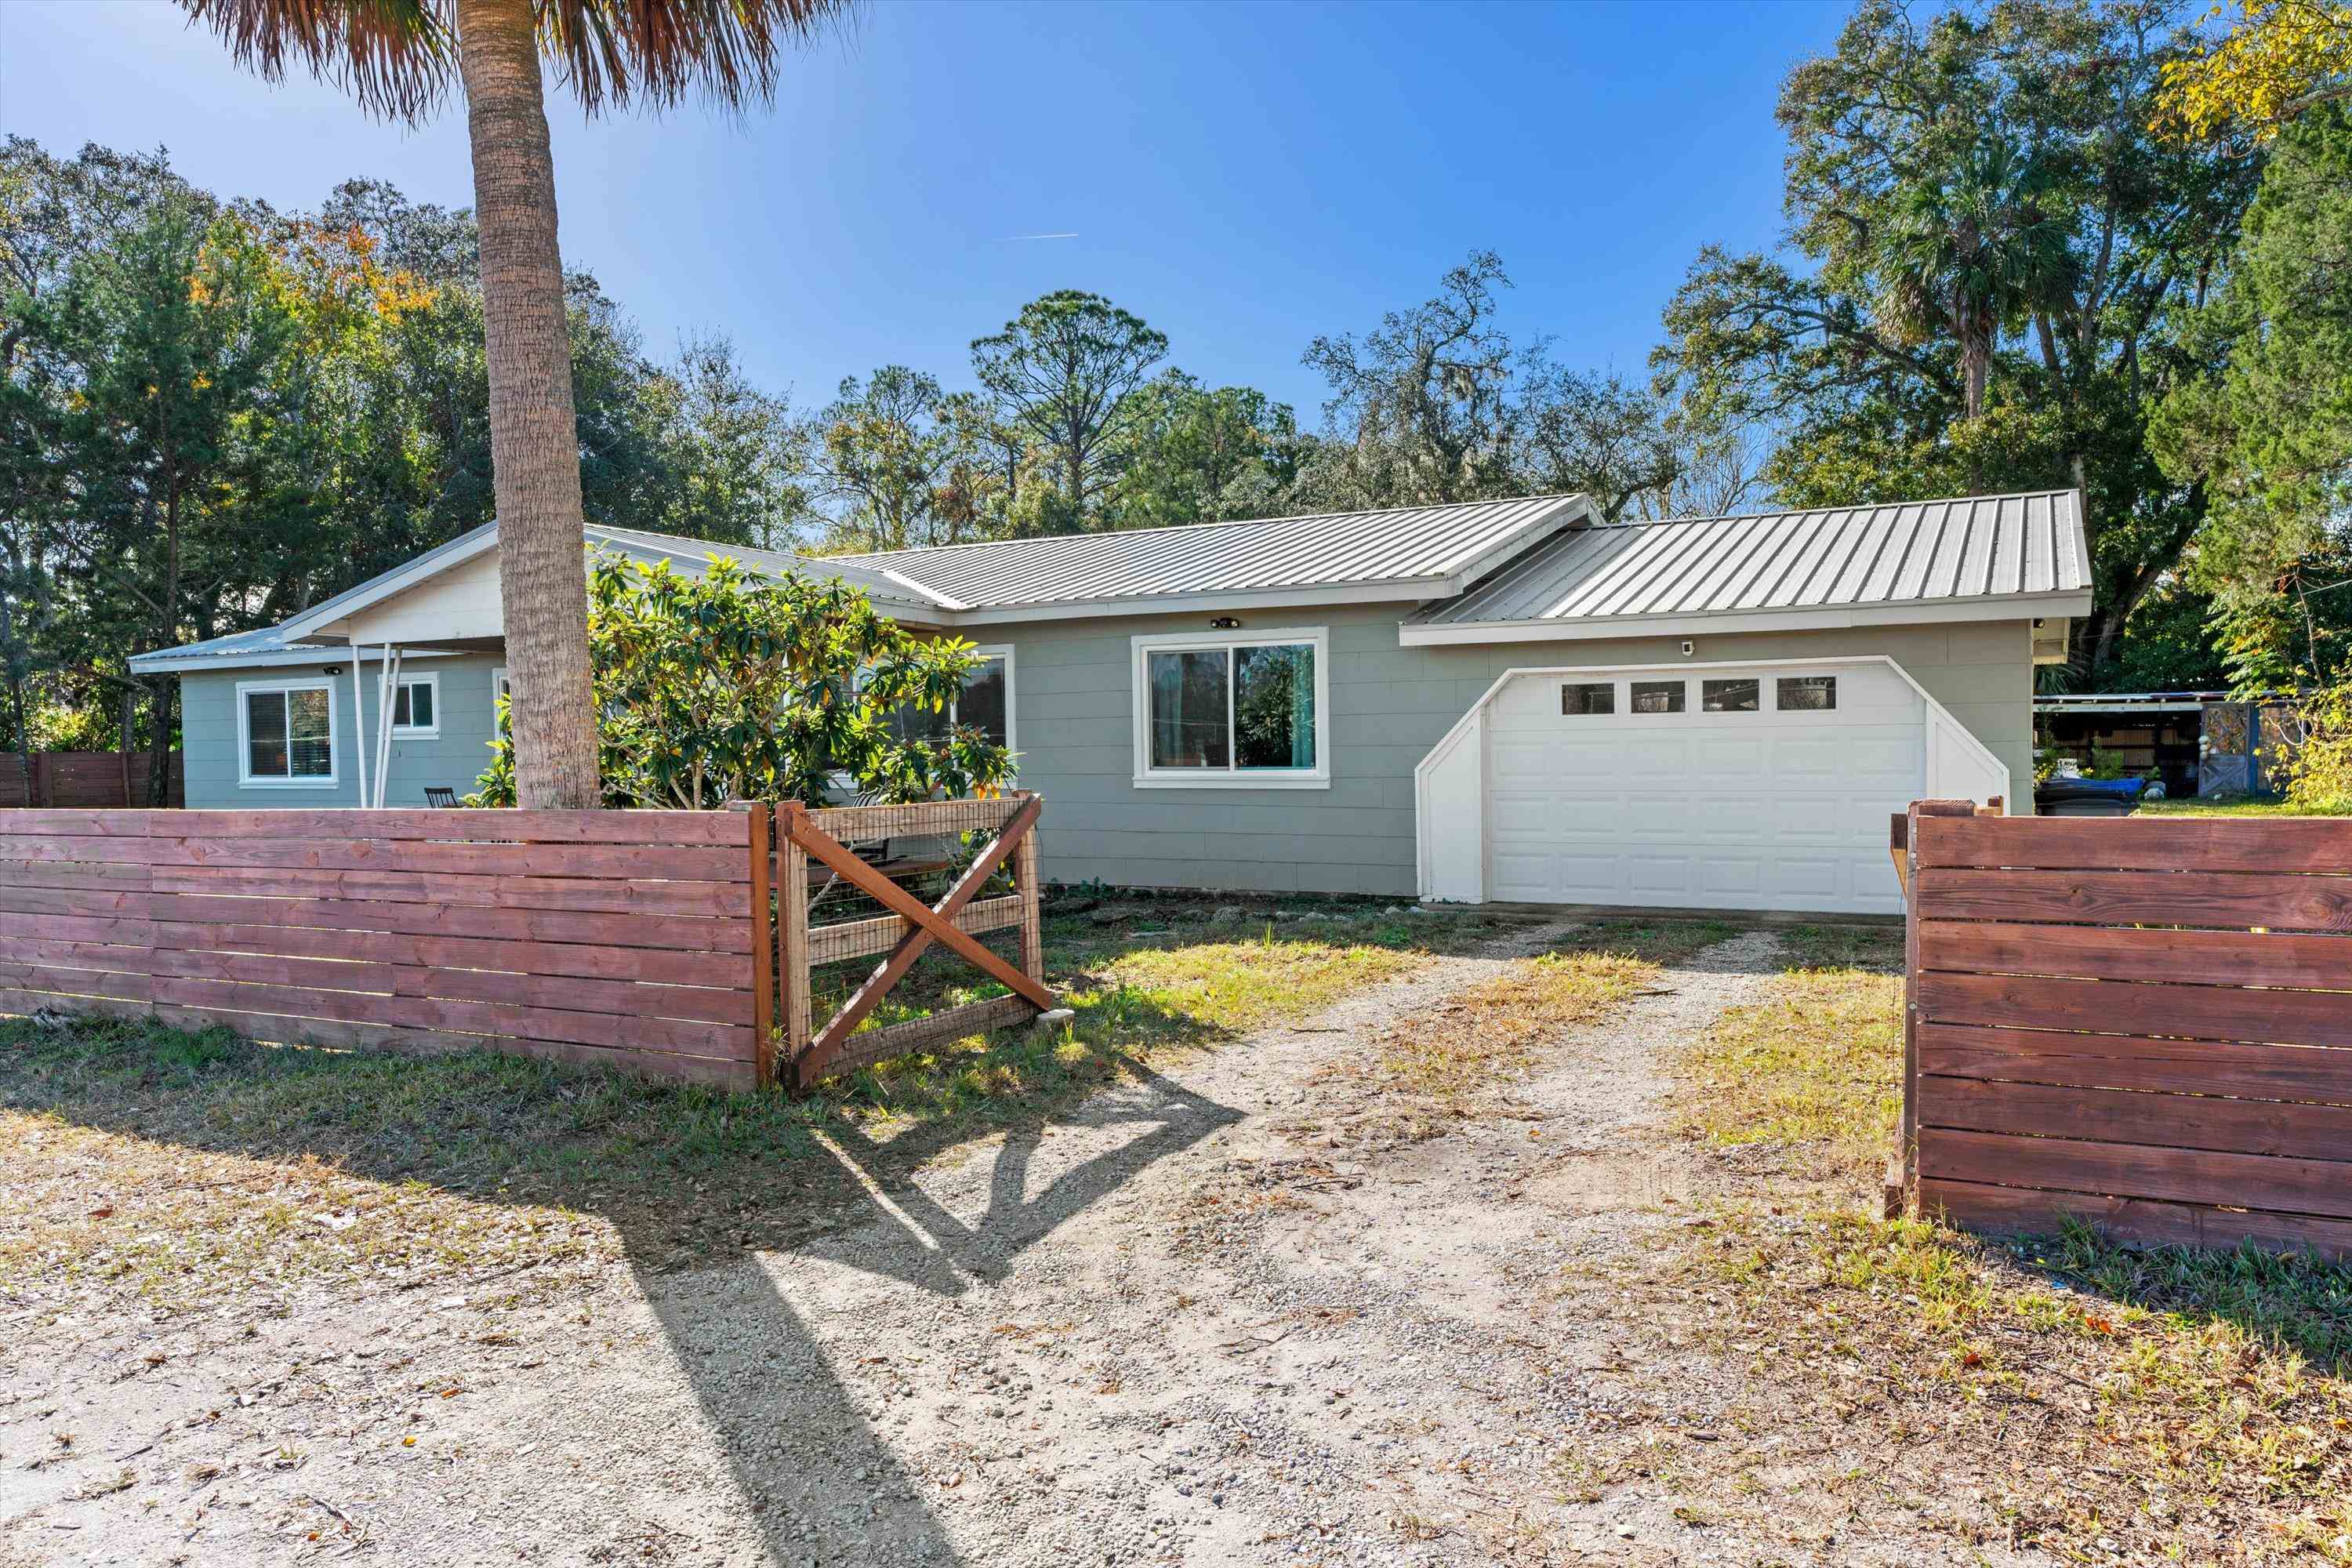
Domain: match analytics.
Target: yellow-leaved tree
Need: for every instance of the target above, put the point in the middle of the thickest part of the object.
(2278, 58)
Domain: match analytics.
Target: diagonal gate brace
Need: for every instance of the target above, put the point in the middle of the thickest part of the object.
(926, 924)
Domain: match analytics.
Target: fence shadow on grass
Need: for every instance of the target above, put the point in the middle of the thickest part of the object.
(695, 1185)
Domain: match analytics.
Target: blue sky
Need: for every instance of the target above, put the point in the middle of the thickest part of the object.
(1244, 176)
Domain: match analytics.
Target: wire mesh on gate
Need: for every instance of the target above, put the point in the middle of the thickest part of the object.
(924, 850)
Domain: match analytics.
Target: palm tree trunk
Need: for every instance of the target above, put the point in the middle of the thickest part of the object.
(534, 439)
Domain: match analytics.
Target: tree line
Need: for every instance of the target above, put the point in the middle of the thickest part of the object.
(2042, 244)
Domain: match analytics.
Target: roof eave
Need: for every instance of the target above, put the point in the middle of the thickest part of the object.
(1811, 617)
(1394, 591)
(162, 662)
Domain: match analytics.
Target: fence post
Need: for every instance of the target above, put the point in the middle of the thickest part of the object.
(792, 939)
(763, 944)
(1033, 931)
(1896, 1200)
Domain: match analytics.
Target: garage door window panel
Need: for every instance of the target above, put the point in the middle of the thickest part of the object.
(1806, 693)
(1583, 699)
(1659, 696)
(1742, 695)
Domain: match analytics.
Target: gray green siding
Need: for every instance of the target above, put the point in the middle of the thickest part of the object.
(456, 758)
(1072, 717)
(1073, 714)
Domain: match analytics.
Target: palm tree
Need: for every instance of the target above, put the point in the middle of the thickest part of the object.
(398, 58)
(1972, 254)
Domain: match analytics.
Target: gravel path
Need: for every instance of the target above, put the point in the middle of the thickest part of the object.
(1181, 1325)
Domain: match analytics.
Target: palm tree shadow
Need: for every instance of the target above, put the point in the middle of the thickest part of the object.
(811, 1463)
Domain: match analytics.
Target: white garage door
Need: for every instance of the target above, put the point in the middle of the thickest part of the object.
(1758, 787)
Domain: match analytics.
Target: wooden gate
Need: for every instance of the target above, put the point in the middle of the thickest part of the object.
(2145, 1022)
(846, 882)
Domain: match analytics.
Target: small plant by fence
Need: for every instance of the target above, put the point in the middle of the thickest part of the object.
(2143, 1023)
(681, 944)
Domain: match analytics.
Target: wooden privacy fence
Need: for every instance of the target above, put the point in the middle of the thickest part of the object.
(2143, 1022)
(893, 881)
(676, 944)
(84, 779)
(597, 936)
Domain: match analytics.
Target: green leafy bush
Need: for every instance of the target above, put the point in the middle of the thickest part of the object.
(738, 686)
(2318, 765)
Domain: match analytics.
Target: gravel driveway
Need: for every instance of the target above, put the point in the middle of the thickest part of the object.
(1183, 1324)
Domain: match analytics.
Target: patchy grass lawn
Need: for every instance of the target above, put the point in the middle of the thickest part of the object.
(2116, 1405)
(1811, 1079)
(1444, 1063)
(177, 1167)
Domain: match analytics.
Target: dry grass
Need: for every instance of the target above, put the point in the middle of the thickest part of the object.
(1446, 1062)
(1811, 1078)
(2104, 1404)
(179, 1169)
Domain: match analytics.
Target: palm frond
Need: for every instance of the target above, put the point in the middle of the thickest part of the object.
(397, 57)
(617, 52)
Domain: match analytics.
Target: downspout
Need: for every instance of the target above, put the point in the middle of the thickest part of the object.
(359, 725)
(384, 720)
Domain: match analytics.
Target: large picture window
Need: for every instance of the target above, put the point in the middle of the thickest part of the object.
(1240, 709)
(286, 733)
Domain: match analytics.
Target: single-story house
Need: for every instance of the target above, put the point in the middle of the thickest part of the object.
(1500, 701)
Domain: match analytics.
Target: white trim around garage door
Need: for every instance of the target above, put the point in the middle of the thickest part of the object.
(1449, 785)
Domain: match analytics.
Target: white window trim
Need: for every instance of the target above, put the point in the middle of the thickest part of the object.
(498, 682)
(419, 732)
(245, 774)
(1012, 708)
(1143, 646)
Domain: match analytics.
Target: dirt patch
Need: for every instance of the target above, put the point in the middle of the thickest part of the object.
(1197, 1317)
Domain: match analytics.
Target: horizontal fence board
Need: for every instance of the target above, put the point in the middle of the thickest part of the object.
(134, 930)
(649, 1036)
(23, 1002)
(569, 994)
(2167, 844)
(77, 875)
(127, 958)
(654, 965)
(2174, 1175)
(80, 824)
(2143, 1220)
(2099, 953)
(2312, 1073)
(870, 1045)
(85, 903)
(19, 974)
(924, 819)
(2227, 900)
(679, 934)
(568, 893)
(2119, 1116)
(2199, 1012)
(667, 863)
(704, 827)
(862, 938)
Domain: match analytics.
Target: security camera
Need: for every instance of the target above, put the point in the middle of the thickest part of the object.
(1689, 648)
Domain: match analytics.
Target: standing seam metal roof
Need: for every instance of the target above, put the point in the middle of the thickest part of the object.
(1323, 550)
(1911, 552)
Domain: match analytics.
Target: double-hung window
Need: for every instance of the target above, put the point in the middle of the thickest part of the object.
(285, 732)
(1232, 708)
(416, 707)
